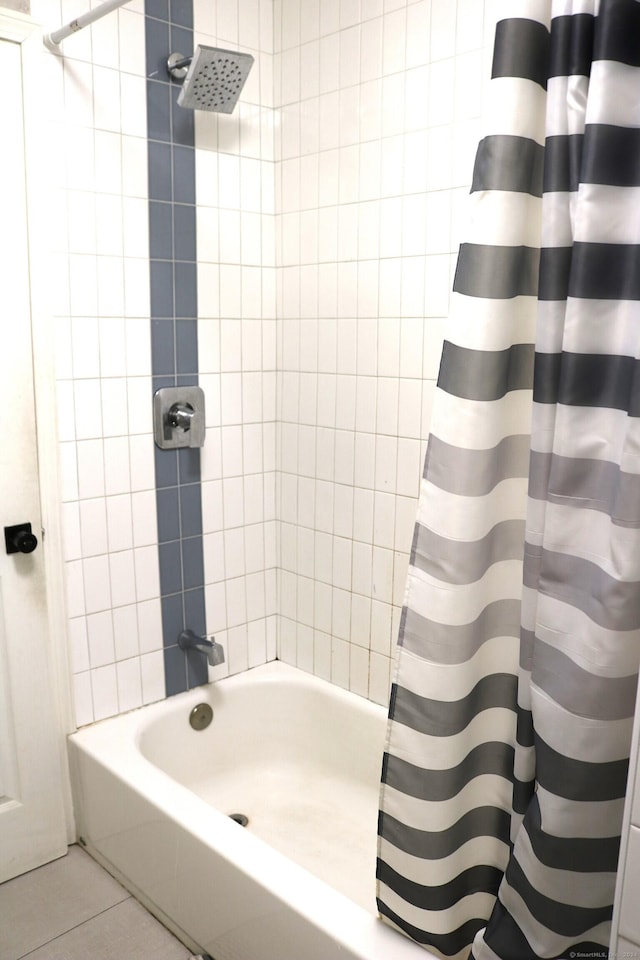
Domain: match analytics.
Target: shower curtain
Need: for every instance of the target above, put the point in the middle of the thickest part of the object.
(511, 711)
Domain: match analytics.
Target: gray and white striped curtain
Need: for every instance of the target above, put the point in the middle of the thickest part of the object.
(511, 712)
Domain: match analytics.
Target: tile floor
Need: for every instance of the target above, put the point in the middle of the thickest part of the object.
(72, 909)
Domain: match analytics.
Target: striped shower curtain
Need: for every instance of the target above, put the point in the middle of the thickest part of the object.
(510, 720)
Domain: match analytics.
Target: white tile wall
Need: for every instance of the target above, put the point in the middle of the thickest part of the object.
(331, 205)
(97, 169)
(329, 211)
(237, 336)
(378, 129)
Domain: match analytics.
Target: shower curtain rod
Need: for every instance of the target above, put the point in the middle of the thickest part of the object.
(52, 40)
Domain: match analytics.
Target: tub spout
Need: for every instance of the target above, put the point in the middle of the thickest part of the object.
(214, 651)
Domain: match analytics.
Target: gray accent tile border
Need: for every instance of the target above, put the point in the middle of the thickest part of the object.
(174, 344)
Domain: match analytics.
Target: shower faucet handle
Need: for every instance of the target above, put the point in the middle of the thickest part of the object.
(179, 417)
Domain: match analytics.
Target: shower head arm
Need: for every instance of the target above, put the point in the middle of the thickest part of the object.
(177, 65)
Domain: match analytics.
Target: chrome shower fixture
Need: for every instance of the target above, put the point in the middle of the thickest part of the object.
(212, 78)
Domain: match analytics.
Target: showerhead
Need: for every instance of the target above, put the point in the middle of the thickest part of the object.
(214, 80)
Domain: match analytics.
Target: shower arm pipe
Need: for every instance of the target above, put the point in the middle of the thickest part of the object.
(52, 40)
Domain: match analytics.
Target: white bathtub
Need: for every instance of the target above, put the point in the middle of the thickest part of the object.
(301, 758)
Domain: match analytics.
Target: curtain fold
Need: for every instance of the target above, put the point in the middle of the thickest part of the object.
(512, 705)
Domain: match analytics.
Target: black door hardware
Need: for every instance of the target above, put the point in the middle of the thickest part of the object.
(20, 539)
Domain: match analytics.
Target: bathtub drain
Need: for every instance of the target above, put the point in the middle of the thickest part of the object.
(239, 818)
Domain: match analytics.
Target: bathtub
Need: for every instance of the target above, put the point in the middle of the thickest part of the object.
(297, 756)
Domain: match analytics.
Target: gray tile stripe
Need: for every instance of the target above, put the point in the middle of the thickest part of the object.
(464, 561)
(174, 348)
(449, 643)
(597, 484)
(485, 374)
(475, 473)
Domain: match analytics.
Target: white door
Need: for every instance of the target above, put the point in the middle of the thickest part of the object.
(32, 823)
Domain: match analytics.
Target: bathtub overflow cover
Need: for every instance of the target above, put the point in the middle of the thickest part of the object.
(201, 716)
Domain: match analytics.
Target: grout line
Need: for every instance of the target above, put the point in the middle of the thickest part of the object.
(76, 926)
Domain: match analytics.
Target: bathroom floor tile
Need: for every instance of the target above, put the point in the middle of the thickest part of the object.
(123, 931)
(47, 902)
